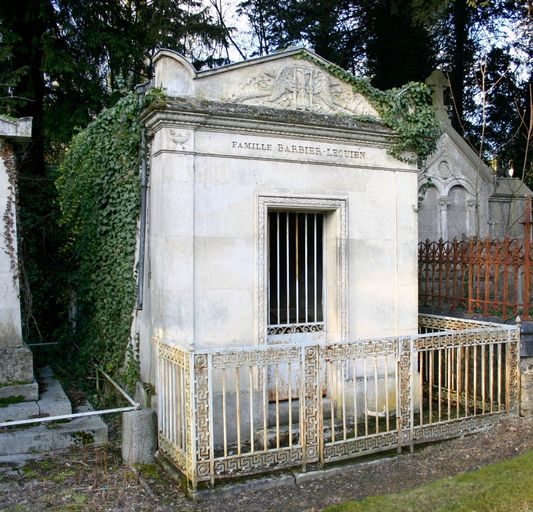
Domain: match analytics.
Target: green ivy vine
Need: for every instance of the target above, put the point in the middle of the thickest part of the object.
(99, 193)
(407, 110)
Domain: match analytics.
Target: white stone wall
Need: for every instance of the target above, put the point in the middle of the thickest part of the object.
(10, 324)
(203, 236)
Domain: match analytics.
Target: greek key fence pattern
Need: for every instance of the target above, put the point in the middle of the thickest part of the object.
(235, 412)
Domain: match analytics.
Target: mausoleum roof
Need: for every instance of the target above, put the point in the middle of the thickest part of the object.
(292, 80)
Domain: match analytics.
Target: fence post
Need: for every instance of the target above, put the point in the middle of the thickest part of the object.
(311, 428)
(201, 419)
(470, 253)
(527, 260)
(512, 374)
(405, 393)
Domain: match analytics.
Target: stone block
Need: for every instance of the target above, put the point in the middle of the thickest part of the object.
(48, 437)
(27, 391)
(526, 386)
(139, 437)
(16, 365)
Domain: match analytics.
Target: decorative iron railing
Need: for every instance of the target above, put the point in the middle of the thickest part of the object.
(221, 412)
(492, 277)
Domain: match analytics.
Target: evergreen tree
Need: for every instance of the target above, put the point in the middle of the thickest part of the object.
(61, 62)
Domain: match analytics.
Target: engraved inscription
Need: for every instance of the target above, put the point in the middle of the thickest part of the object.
(301, 149)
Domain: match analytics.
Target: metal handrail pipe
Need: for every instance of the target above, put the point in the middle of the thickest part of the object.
(66, 416)
(134, 404)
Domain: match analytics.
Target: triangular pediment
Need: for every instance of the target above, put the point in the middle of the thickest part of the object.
(286, 80)
(454, 163)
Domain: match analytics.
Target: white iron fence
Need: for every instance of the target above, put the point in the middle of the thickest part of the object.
(221, 412)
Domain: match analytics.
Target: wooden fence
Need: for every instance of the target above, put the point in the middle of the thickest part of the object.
(491, 277)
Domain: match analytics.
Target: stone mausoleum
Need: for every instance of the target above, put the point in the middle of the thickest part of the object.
(467, 198)
(274, 214)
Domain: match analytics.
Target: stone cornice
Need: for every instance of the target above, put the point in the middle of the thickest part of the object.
(239, 118)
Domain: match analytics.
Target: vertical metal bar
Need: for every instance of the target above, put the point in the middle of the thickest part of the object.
(487, 278)
(449, 380)
(431, 377)
(467, 377)
(175, 404)
(276, 378)
(387, 419)
(175, 416)
(175, 393)
(306, 273)
(354, 381)
(458, 380)
(163, 393)
(265, 408)
(178, 408)
(168, 422)
(290, 402)
(314, 274)
(499, 376)
(475, 380)
(483, 379)
(210, 419)
(224, 414)
(439, 384)
(376, 393)
(251, 399)
(278, 276)
(168, 402)
(343, 401)
(421, 370)
(288, 271)
(491, 376)
(297, 264)
(238, 406)
(332, 420)
(181, 405)
(366, 395)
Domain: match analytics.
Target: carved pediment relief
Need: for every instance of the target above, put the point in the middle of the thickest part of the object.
(302, 86)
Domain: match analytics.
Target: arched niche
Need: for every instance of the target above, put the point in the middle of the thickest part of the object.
(457, 213)
(428, 215)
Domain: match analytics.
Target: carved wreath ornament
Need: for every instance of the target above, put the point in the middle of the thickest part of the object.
(302, 87)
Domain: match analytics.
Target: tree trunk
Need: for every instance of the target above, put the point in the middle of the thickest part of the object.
(457, 78)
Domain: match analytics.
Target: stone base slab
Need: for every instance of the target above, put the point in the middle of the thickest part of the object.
(16, 365)
(44, 438)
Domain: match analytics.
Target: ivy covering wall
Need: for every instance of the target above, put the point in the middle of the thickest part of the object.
(99, 193)
(408, 110)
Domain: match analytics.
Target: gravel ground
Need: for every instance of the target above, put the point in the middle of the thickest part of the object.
(88, 479)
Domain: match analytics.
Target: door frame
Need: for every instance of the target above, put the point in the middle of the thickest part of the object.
(335, 261)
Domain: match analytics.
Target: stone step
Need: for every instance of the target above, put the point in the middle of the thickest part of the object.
(52, 401)
(48, 436)
(25, 391)
(54, 436)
